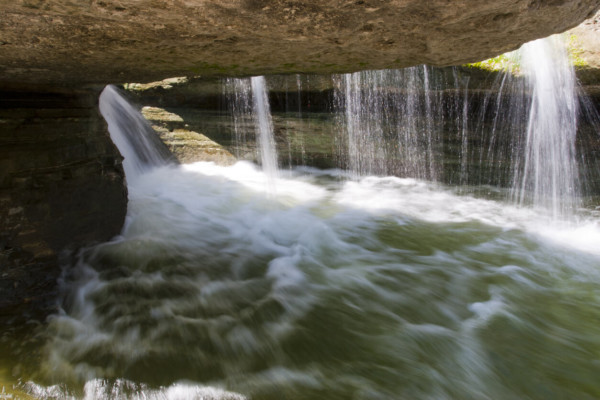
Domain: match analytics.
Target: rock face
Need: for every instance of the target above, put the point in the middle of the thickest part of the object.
(585, 39)
(186, 145)
(111, 41)
(61, 187)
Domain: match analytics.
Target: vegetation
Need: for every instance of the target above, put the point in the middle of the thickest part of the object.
(504, 62)
(575, 51)
(510, 62)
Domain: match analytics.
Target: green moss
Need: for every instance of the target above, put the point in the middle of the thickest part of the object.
(575, 51)
(508, 62)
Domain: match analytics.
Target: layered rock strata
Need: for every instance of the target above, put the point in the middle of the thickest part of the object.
(111, 41)
(186, 144)
(61, 187)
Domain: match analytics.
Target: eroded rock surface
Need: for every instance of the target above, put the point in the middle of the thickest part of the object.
(186, 144)
(61, 187)
(585, 40)
(101, 41)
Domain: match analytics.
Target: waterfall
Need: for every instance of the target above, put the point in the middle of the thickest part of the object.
(137, 142)
(332, 287)
(248, 102)
(264, 127)
(385, 122)
(462, 124)
(549, 176)
(529, 145)
(238, 93)
(522, 135)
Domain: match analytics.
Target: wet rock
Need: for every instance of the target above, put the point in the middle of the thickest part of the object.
(61, 187)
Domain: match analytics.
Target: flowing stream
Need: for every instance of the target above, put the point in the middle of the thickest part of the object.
(332, 288)
(339, 284)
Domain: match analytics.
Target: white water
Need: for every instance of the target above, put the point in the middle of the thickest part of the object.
(239, 101)
(364, 288)
(98, 389)
(330, 287)
(387, 122)
(249, 104)
(394, 121)
(548, 175)
(139, 145)
(264, 127)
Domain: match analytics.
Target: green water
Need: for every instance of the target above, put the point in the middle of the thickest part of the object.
(326, 288)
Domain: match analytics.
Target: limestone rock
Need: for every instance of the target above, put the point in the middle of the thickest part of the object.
(61, 187)
(185, 144)
(107, 41)
(585, 44)
(587, 38)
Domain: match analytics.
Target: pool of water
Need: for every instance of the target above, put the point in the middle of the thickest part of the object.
(321, 286)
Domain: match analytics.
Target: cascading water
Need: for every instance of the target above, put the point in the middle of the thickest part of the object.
(139, 145)
(383, 126)
(264, 127)
(238, 93)
(529, 145)
(337, 286)
(462, 123)
(548, 175)
(249, 104)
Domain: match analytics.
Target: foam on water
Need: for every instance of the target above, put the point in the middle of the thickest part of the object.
(102, 390)
(373, 288)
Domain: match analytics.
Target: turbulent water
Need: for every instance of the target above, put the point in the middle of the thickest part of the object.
(331, 288)
(246, 283)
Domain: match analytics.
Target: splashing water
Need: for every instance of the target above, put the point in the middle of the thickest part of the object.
(339, 284)
(549, 175)
(418, 123)
(374, 288)
(238, 93)
(139, 145)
